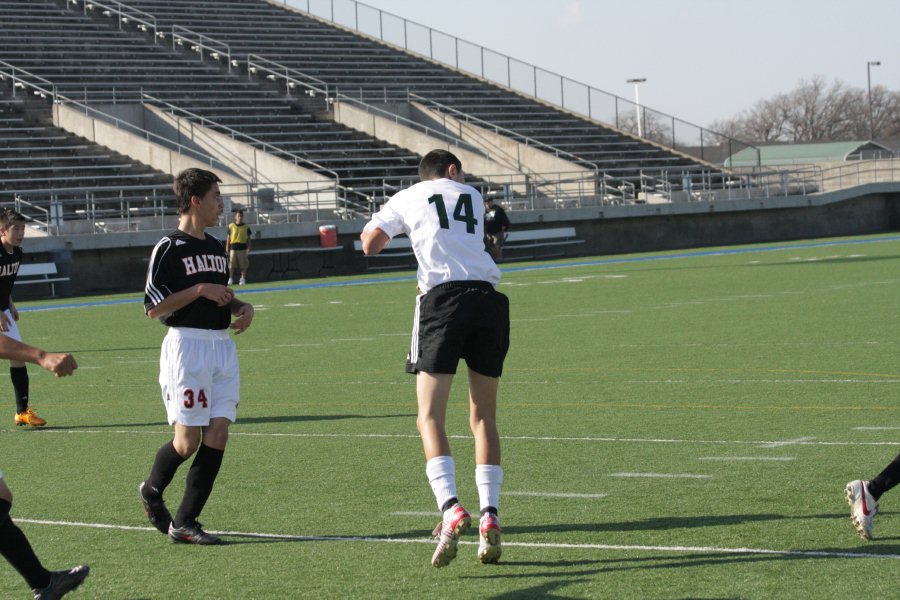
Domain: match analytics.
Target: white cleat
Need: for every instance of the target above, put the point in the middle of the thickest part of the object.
(455, 522)
(489, 548)
(863, 508)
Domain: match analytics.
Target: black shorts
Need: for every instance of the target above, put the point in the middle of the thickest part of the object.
(460, 319)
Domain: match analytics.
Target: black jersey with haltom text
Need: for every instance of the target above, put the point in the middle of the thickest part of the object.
(178, 262)
(9, 267)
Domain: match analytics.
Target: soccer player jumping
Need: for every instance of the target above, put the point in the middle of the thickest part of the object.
(458, 314)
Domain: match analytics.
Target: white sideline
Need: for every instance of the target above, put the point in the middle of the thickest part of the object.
(622, 547)
(555, 495)
(662, 475)
(526, 438)
(730, 458)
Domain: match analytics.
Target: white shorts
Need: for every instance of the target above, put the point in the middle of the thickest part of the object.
(13, 327)
(199, 376)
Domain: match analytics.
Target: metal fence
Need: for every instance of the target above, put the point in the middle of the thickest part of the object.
(104, 210)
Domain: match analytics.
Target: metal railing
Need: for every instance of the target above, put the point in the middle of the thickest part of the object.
(123, 14)
(200, 43)
(103, 210)
(466, 118)
(517, 75)
(294, 78)
(22, 79)
(243, 137)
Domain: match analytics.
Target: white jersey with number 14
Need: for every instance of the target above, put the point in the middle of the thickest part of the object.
(445, 224)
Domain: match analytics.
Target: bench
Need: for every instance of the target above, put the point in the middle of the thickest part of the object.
(39, 273)
(539, 243)
(525, 244)
(397, 254)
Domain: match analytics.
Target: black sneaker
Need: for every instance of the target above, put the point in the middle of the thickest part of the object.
(192, 533)
(154, 507)
(61, 583)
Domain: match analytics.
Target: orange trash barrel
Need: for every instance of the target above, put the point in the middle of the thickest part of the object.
(328, 236)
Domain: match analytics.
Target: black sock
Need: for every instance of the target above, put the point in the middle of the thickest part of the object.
(19, 376)
(885, 480)
(199, 484)
(489, 509)
(15, 548)
(164, 467)
(449, 504)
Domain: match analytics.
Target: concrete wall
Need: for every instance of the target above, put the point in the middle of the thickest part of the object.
(118, 262)
(249, 162)
(519, 156)
(414, 140)
(130, 144)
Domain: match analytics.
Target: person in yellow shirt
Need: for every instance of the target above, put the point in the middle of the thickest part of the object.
(237, 245)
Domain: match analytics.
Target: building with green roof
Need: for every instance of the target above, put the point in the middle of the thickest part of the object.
(804, 154)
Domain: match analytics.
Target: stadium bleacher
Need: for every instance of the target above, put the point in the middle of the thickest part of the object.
(93, 55)
(92, 62)
(375, 72)
(35, 157)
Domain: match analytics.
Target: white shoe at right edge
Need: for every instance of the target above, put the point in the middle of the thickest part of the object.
(489, 548)
(863, 508)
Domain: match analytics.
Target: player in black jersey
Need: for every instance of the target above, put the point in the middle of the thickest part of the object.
(199, 376)
(12, 232)
(14, 546)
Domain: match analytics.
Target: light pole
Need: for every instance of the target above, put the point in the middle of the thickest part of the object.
(637, 102)
(869, 65)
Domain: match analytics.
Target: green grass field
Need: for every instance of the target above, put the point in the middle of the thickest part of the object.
(681, 427)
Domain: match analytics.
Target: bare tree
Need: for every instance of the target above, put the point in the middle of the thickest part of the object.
(653, 127)
(816, 111)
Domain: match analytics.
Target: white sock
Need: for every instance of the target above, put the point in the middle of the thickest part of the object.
(441, 472)
(488, 478)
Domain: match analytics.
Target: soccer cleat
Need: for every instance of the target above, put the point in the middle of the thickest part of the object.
(489, 548)
(863, 508)
(61, 583)
(192, 533)
(29, 417)
(230, 281)
(455, 522)
(155, 507)
(242, 281)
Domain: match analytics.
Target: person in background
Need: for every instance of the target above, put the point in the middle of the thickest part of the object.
(237, 246)
(496, 224)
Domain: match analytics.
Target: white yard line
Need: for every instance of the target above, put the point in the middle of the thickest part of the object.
(764, 458)
(506, 542)
(526, 438)
(662, 475)
(793, 442)
(555, 495)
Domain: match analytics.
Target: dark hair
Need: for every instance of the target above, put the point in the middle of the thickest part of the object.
(9, 217)
(239, 212)
(434, 165)
(189, 183)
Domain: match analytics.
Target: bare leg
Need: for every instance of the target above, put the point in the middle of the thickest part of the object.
(483, 417)
(433, 392)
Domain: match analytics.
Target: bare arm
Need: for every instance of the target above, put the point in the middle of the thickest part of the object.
(58, 363)
(219, 294)
(374, 241)
(244, 313)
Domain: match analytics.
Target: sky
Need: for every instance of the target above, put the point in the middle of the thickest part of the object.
(704, 60)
